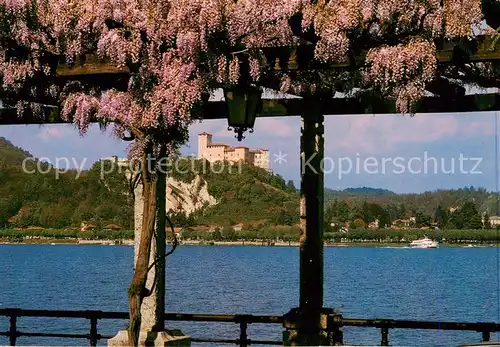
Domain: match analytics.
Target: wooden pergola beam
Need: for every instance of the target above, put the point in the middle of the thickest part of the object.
(355, 106)
(486, 50)
(296, 107)
(91, 66)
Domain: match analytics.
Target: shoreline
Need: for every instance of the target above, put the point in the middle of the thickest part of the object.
(49, 241)
(230, 243)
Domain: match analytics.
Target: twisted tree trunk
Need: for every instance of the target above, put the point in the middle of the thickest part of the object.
(137, 290)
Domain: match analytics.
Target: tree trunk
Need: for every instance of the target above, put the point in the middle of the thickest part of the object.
(137, 289)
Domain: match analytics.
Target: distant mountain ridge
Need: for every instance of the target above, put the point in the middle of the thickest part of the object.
(426, 202)
(356, 193)
(368, 191)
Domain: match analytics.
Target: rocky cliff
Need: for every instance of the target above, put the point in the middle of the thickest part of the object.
(188, 197)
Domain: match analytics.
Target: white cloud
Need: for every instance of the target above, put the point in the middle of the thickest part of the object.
(374, 134)
(55, 132)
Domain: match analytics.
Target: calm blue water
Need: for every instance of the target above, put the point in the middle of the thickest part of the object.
(458, 284)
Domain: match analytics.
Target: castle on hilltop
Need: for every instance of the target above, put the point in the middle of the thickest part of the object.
(220, 151)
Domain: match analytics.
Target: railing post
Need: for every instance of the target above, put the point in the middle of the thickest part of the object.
(243, 334)
(93, 331)
(334, 327)
(243, 320)
(385, 336)
(486, 336)
(13, 330)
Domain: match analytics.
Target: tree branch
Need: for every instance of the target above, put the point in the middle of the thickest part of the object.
(175, 243)
(133, 180)
(137, 288)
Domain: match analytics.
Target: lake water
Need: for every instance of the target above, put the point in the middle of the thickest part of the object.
(457, 284)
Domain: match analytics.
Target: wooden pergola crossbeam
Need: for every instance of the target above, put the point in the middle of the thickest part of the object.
(296, 107)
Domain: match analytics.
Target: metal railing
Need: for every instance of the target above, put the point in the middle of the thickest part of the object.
(334, 325)
(385, 324)
(93, 316)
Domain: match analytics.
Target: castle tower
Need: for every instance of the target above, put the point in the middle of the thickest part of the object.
(204, 139)
(265, 159)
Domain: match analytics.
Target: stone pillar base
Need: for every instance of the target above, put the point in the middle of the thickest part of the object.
(300, 338)
(152, 339)
(309, 329)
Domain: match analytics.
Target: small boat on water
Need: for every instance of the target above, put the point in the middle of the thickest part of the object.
(424, 243)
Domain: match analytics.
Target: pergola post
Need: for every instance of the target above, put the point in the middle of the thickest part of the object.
(160, 242)
(311, 210)
(305, 324)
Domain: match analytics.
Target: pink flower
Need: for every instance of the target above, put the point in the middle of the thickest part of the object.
(179, 50)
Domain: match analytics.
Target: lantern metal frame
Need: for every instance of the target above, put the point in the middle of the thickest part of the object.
(243, 104)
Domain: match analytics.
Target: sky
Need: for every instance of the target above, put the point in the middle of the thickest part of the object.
(396, 152)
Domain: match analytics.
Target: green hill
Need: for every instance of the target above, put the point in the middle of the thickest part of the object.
(244, 194)
(11, 154)
(51, 200)
(426, 202)
(450, 209)
(57, 200)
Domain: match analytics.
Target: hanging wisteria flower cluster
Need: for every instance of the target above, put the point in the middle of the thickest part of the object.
(178, 51)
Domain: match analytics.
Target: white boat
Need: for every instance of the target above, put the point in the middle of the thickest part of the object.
(424, 243)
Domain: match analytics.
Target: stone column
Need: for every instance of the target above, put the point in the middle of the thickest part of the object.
(153, 331)
(149, 316)
(304, 324)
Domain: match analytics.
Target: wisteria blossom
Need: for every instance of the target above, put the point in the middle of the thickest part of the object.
(402, 70)
(179, 50)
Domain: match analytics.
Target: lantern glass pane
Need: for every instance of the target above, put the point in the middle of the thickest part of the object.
(236, 103)
(253, 103)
